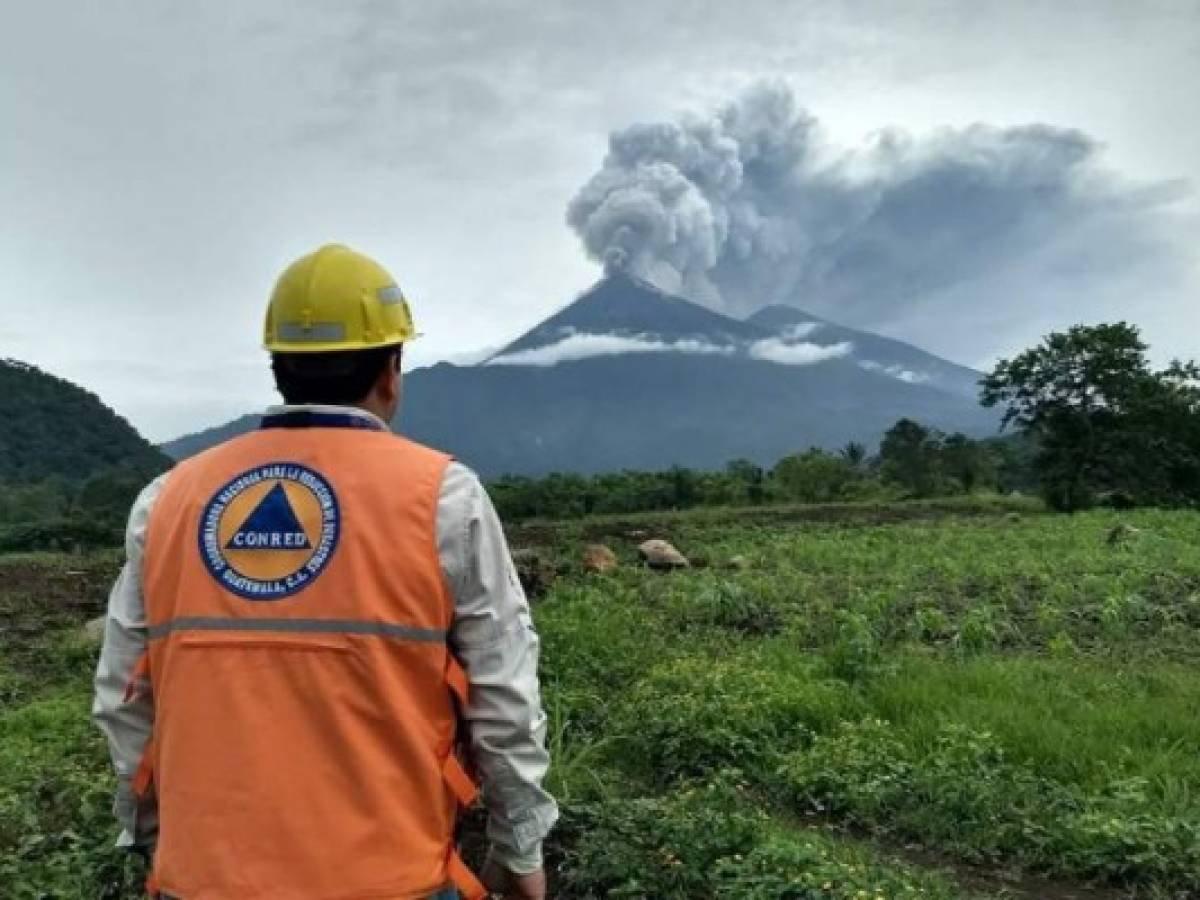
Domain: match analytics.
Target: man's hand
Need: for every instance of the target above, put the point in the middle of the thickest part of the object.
(512, 886)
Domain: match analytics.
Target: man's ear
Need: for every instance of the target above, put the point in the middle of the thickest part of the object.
(388, 382)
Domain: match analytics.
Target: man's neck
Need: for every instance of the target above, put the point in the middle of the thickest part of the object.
(376, 409)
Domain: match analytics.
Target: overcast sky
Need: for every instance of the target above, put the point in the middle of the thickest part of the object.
(161, 162)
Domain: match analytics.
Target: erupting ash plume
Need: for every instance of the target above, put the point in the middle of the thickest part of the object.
(747, 207)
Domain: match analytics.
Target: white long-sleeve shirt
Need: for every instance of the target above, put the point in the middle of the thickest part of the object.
(492, 636)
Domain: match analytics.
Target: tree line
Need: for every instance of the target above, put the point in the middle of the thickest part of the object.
(913, 461)
(58, 513)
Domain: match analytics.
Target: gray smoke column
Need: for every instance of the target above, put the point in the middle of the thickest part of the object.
(748, 207)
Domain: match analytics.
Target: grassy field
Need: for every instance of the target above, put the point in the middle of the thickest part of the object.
(931, 700)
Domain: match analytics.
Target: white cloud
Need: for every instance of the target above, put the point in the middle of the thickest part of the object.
(894, 371)
(801, 330)
(582, 345)
(777, 350)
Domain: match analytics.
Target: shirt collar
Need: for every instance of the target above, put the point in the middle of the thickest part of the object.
(359, 417)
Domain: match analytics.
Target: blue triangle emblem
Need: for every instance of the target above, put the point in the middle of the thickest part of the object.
(271, 526)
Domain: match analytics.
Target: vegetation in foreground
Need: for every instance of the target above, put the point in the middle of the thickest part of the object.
(828, 709)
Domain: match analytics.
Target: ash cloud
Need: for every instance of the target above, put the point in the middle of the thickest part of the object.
(977, 228)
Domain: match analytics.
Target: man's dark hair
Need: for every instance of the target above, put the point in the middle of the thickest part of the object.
(341, 378)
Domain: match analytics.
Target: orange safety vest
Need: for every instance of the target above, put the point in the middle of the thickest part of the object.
(304, 741)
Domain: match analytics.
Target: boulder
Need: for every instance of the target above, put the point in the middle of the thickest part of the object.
(658, 554)
(599, 559)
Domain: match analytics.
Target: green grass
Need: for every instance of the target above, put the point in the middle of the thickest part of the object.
(56, 790)
(977, 686)
(1011, 690)
(1082, 721)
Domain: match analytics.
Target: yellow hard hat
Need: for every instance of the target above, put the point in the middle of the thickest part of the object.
(336, 299)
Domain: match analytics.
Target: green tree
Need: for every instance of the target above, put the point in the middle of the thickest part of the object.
(814, 476)
(909, 457)
(110, 494)
(684, 488)
(855, 454)
(750, 476)
(1101, 419)
(1013, 454)
(970, 463)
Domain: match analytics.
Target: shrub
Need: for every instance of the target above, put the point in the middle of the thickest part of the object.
(711, 841)
(731, 605)
(695, 716)
(56, 826)
(855, 652)
(965, 796)
(657, 847)
(61, 534)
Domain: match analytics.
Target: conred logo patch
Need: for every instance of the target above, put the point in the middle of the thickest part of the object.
(270, 531)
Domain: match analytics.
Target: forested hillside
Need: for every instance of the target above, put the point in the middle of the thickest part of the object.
(69, 466)
(51, 427)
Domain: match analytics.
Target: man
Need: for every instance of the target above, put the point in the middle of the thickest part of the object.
(307, 615)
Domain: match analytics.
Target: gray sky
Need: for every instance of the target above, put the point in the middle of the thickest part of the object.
(160, 162)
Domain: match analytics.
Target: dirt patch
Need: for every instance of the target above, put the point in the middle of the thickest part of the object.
(1008, 883)
(42, 596)
(992, 881)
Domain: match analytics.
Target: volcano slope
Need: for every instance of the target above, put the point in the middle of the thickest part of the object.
(977, 702)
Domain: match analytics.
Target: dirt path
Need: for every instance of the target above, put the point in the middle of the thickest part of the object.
(992, 882)
(1008, 883)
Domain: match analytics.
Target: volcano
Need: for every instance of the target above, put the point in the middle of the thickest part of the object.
(629, 377)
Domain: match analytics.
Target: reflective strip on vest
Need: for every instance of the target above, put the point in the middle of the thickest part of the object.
(302, 626)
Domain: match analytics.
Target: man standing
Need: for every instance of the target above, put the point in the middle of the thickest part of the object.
(317, 631)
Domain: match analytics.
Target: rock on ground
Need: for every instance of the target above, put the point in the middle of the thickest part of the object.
(599, 558)
(659, 554)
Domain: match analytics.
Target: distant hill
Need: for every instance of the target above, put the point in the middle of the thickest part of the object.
(629, 377)
(51, 427)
